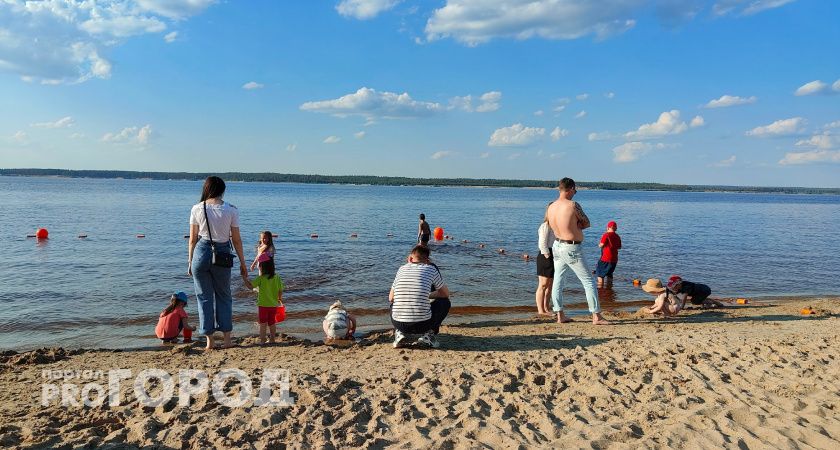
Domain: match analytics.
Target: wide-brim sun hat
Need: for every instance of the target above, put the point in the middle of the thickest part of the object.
(654, 286)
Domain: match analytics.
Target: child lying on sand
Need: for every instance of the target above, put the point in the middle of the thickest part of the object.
(339, 324)
(666, 303)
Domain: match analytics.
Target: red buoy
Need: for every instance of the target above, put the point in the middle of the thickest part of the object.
(42, 233)
(438, 234)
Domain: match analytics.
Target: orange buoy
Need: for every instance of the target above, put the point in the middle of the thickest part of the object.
(526, 256)
(807, 311)
(141, 235)
(501, 251)
(42, 233)
(637, 282)
(742, 301)
(438, 234)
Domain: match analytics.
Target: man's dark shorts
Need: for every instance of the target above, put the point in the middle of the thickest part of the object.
(545, 266)
(605, 269)
(424, 238)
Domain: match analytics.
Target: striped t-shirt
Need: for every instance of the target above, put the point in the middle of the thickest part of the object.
(412, 286)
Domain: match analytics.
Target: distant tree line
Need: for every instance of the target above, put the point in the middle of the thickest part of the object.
(403, 181)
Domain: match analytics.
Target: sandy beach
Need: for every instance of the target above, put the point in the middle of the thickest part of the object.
(753, 376)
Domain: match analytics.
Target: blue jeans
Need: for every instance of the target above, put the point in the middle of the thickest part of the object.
(212, 289)
(570, 256)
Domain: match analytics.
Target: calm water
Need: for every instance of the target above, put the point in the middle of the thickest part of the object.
(107, 290)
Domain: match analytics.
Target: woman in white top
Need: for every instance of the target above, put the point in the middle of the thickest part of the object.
(214, 224)
(545, 267)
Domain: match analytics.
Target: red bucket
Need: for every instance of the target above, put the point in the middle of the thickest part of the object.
(187, 335)
(280, 315)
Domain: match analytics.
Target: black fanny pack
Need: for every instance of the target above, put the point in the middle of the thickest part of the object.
(220, 258)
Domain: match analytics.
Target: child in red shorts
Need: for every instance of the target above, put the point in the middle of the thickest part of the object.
(610, 243)
(270, 296)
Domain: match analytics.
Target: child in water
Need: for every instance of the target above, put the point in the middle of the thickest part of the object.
(173, 319)
(270, 295)
(338, 323)
(266, 245)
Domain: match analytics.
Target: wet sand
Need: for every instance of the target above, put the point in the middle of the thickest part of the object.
(753, 376)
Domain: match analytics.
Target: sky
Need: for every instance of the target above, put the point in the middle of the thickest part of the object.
(734, 92)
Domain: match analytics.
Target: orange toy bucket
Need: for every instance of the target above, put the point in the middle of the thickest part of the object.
(280, 315)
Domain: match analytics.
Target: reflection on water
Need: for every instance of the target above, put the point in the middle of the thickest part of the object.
(107, 290)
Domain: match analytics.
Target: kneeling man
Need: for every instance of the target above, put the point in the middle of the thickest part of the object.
(419, 300)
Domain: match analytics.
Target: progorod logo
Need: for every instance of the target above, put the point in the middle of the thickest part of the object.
(154, 387)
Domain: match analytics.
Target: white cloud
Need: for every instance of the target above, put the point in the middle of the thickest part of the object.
(835, 124)
(332, 140)
(558, 133)
(580, 115)
(20, 137)
(668, 124)
(825, 141)
(610, 95)
(564, 101)
(441, 154)
(697, 121)
(130, 135)
(632, 151)
(835, 86)
(605, 136)
(371, 104)
(556, 155)
(64, 122)
(538, 113)
(171, 37)
(516, 135)
(359, 135)
(784, 127)
(77, 135)
(176, 9)
(488, 102)
(63, 41)
(811, 157)
(582, 97)
(291, 147)
(746, 7)
(474, 22)
(812, 88)
(730, 100)
(559, 108)
(728, 162)
(364, 9)
(514, 156)
(251, 85)
(485, 155)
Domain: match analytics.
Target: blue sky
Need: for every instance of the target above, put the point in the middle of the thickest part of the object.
(741, 92)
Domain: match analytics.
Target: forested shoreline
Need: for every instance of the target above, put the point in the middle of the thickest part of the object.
(403, 181)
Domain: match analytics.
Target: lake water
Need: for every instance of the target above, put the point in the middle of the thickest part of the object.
(106, 290)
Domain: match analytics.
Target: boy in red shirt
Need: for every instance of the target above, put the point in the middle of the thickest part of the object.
(610, 243)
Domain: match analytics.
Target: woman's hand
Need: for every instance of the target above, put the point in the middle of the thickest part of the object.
(189, 268)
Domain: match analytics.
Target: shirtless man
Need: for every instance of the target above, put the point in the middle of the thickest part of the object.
(567, 219)
(424, 232)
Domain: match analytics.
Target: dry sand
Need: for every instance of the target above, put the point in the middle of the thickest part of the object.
(757, 376)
